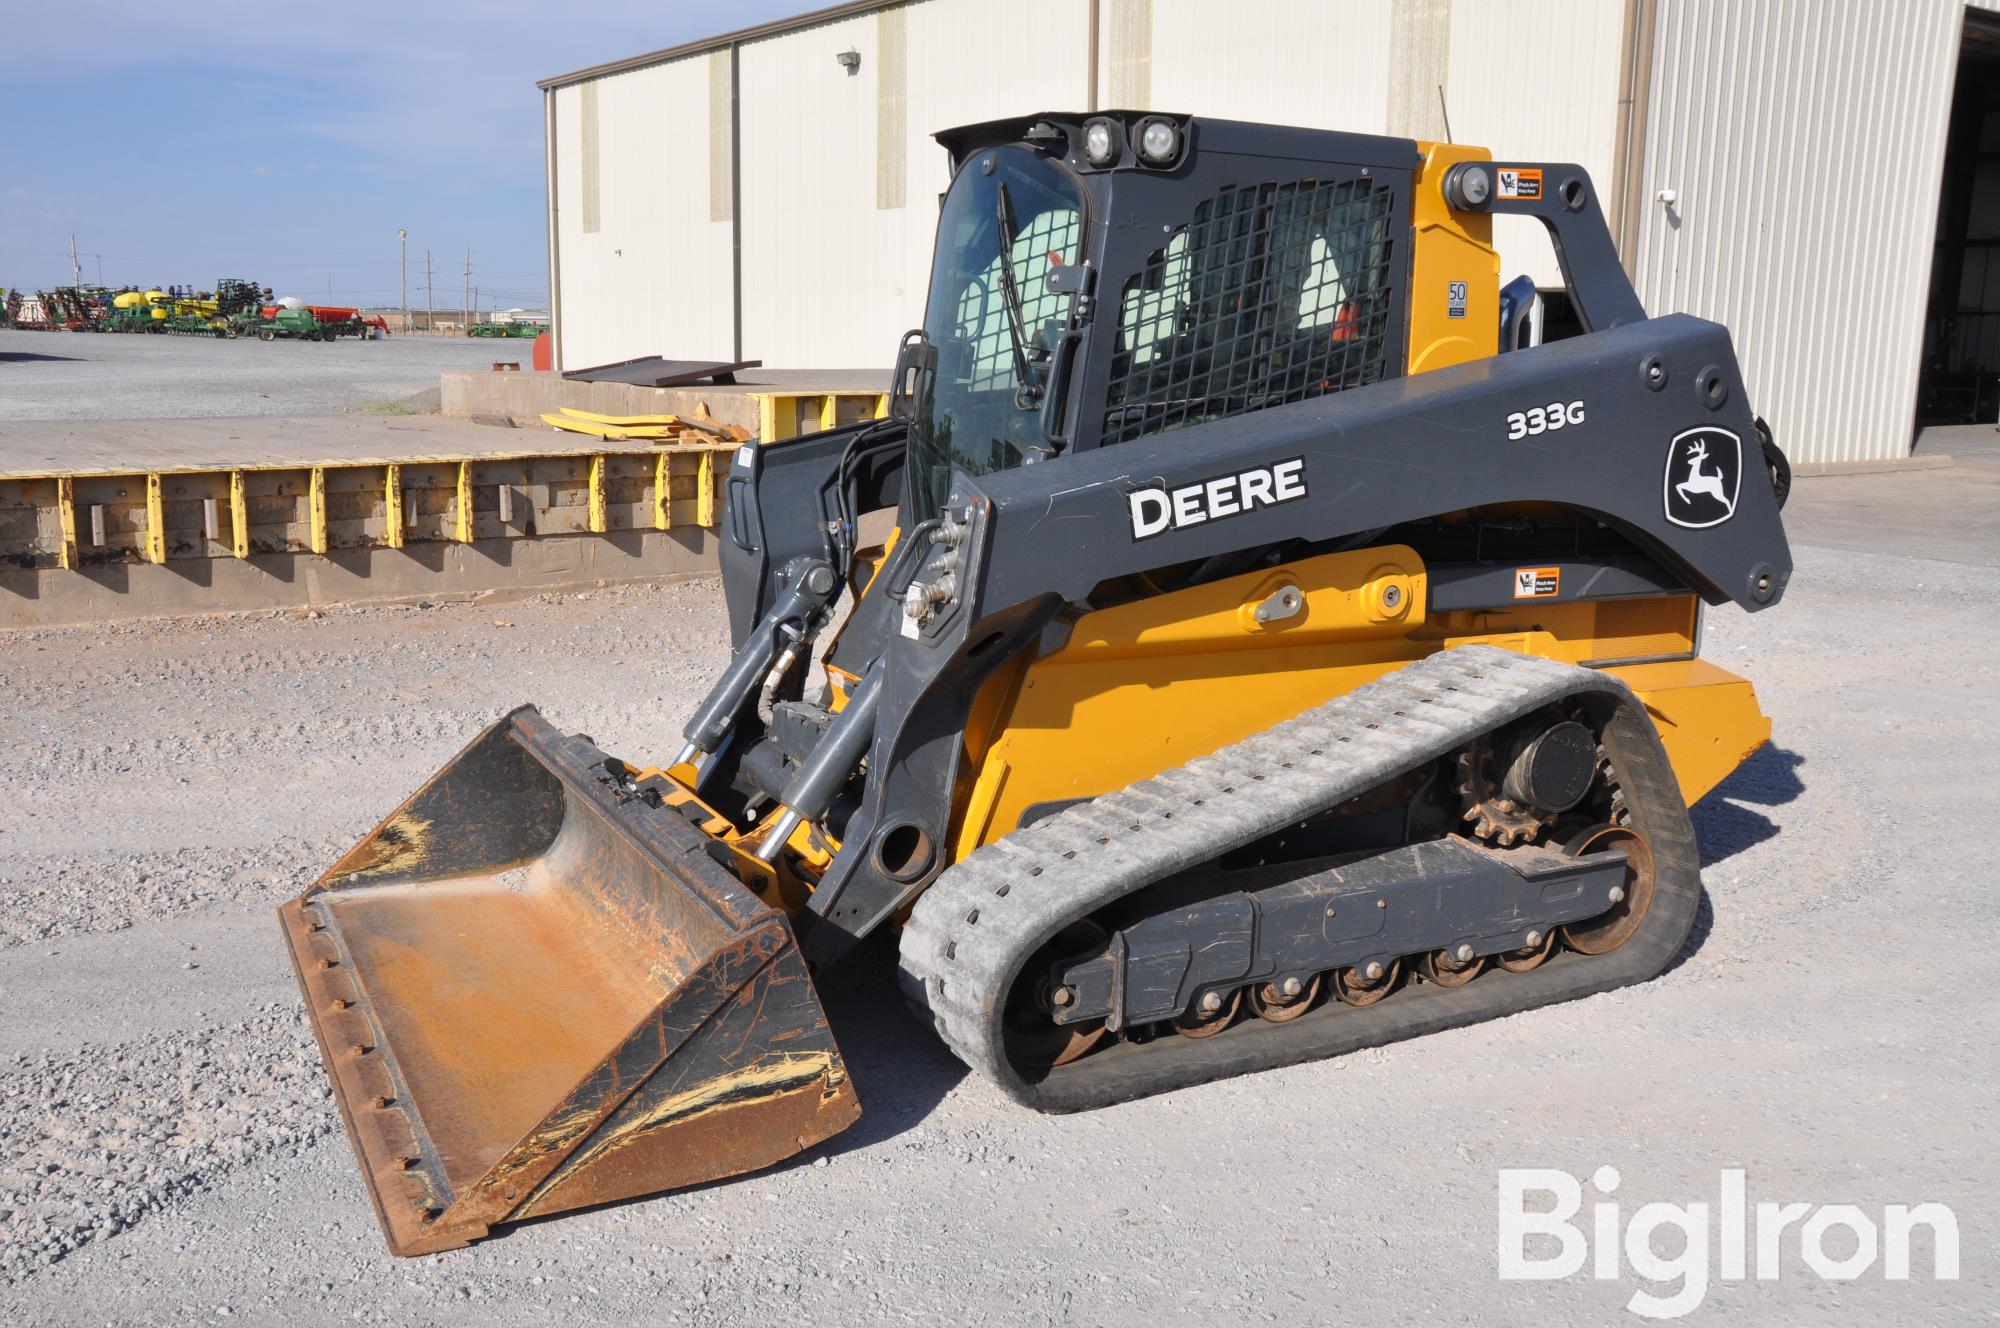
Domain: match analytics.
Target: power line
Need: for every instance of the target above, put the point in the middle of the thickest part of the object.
(338, 265)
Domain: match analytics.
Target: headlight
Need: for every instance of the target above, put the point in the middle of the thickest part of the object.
(1099, 144)
(1159, 141)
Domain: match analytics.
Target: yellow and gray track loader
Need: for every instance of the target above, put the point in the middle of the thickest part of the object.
(1261, 649)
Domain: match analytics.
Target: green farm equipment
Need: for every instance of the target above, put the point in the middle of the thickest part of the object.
(505, 330)
(277, 322)
(313, 322)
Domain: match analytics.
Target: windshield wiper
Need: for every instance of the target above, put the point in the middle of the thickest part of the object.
(1026, 390)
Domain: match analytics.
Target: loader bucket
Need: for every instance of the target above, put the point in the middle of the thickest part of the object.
(536, 991)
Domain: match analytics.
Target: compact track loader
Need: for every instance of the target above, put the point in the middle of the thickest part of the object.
(1273, 652)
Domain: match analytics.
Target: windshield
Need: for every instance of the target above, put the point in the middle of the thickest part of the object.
(1011, 215)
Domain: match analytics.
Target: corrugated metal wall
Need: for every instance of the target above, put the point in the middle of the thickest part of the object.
(841, 175)
(1538, 80)
(1531, 78)
(1804, 140)
(642, 264)
(833, 272)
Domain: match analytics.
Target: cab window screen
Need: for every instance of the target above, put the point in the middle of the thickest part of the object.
(1271, 293)
(1048, 240)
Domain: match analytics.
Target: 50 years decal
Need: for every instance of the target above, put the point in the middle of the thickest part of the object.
(1544, 419)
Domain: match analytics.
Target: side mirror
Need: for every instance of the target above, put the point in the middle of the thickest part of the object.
(916, 362)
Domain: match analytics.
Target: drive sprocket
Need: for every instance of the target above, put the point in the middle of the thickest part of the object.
(1489, 813)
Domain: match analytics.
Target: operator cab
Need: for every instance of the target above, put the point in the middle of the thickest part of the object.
(1071, 270)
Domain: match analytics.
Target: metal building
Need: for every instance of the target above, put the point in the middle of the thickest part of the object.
(1821, 175)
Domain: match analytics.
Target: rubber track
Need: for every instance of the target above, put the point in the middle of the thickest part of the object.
(971, 933)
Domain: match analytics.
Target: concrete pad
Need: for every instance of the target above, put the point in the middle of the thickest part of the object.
(29, 449)
(1950, 514)
(525, 397)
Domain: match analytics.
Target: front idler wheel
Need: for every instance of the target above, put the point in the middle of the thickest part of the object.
(1033, 1038)
(1629, 901)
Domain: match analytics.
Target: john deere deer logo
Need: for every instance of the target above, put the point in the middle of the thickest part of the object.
(1704, 471)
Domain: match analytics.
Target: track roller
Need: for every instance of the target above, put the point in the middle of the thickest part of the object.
(1285, 1000)
(1367, 983)
(1453, 967)
(1212, 1012)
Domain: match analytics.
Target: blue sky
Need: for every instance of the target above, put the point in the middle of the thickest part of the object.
(286, 142)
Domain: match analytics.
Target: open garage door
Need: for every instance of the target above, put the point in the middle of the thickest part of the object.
(1961, 373)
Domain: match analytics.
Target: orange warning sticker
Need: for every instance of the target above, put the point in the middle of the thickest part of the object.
(1518, 182)
(1537, 582)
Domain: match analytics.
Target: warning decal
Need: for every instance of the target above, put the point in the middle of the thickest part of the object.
(1519, 182)
(1537, 582)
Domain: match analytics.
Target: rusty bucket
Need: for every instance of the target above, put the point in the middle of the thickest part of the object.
(534, 990)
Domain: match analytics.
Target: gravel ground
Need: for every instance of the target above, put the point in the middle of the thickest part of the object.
(77, 376)
(168, 1152)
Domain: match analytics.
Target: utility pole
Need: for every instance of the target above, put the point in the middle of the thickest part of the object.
(403, 252)
(430, 319)
(475, 301)
(75, 271)
(465, 295)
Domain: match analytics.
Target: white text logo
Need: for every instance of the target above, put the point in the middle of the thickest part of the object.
(1539, 1241)
(1155, 511)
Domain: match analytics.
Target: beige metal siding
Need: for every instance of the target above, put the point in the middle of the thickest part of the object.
(833, 272)
(1304, 62)
(653, 277)
(1419, 68)
(971, 62)
(1538, 80)
(831, 277)
(1530, 78)
(1804, 140)
(1128, 49)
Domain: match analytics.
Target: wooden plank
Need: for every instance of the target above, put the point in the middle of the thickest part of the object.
(316, 511)
(239, 516)
(705, 495)
(66, 517)
(597, 500)
(464, 532)
(663, 499)
(392, 505)
(156, 522)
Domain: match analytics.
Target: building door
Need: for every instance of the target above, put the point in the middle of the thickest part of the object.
(1960, 383)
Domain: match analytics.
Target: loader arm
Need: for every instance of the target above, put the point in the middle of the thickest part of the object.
(780, 498)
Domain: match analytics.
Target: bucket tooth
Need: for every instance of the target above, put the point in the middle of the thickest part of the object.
(534, 991)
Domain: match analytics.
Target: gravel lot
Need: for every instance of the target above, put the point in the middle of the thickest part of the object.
(77, 376)
(168, 1152)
